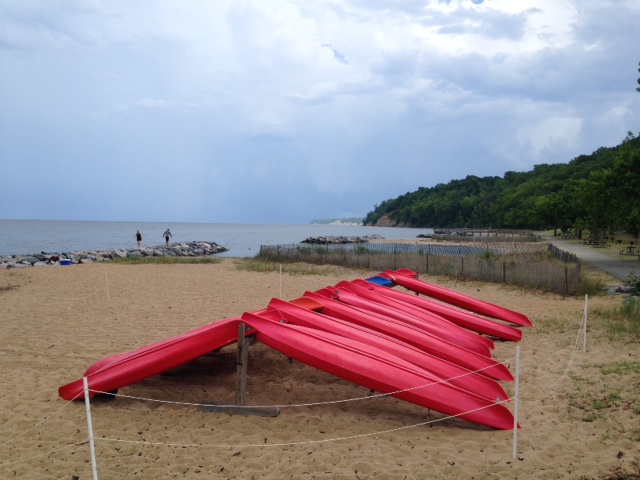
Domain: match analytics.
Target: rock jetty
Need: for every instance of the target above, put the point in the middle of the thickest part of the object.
(341, 239)
(181, 249)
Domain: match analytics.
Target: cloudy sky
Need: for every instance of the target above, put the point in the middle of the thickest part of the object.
(287, 111)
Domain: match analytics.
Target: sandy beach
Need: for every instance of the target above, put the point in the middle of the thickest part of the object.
(579, 412)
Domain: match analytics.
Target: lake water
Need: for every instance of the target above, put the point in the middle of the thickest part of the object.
(242, 240)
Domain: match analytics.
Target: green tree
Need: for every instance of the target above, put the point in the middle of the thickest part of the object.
(625, 182)
(547, 211)
(596, 192)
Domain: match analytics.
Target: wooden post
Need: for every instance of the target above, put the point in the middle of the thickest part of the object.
(241, 361)
(241, 386)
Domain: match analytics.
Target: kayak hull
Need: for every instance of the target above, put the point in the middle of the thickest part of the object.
(378, 371)
(405, 278)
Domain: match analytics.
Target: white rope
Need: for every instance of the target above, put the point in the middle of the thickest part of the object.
(572, 357)
(313, 404)
(22, 460)
(256, 445)
(45, 419)
(287, 444)
(307, 442)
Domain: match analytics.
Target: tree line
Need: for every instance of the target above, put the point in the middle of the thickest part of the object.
(598, 192)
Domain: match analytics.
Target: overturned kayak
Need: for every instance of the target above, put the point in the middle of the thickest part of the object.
(117, 371)
(468, 340)
(426, 317)
(290, 312)
(458, 316)
(413, 336)
(406, 278)
(409, 347)
(377, 370)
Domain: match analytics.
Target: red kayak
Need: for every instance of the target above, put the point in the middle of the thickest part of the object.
(406, 278)
(458, 316)
(409, 347)
(377, 370)
(290, 312)
(413, 336)
(120, 370)
(426, 317)
(470, 341)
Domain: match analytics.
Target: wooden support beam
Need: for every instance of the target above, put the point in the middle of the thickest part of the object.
(240, 410)
(242, 360)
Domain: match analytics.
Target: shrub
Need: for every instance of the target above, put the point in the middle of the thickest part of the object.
(633, 282)
(489, 256)
(591, 286)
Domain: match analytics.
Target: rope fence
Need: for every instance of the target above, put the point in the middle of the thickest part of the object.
(107, 281)
(91, 438)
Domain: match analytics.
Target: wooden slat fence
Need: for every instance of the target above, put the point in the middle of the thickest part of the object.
(470, 262)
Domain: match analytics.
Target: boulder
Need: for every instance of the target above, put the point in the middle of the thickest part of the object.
(30, 258)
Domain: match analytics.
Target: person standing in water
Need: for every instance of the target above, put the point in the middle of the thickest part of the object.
(138, 238)
(167, 235)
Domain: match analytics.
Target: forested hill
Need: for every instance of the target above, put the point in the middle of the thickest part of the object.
(597, 192)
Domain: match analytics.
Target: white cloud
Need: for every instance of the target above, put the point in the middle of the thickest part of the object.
(290, 110)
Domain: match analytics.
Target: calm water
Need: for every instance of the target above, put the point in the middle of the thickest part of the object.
(242, 240)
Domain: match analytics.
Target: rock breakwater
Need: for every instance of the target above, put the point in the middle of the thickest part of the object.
(43, 259)
(341, 239)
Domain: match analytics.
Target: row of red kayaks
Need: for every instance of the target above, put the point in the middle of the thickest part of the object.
(432, 350)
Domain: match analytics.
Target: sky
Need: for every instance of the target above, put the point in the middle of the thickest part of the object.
(283, 112)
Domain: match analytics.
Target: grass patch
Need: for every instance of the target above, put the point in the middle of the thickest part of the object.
(264, 266)
(593, 401)
(166, 260)
(621, 322)
(551, 325)
(591, 285)
(620, 368)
